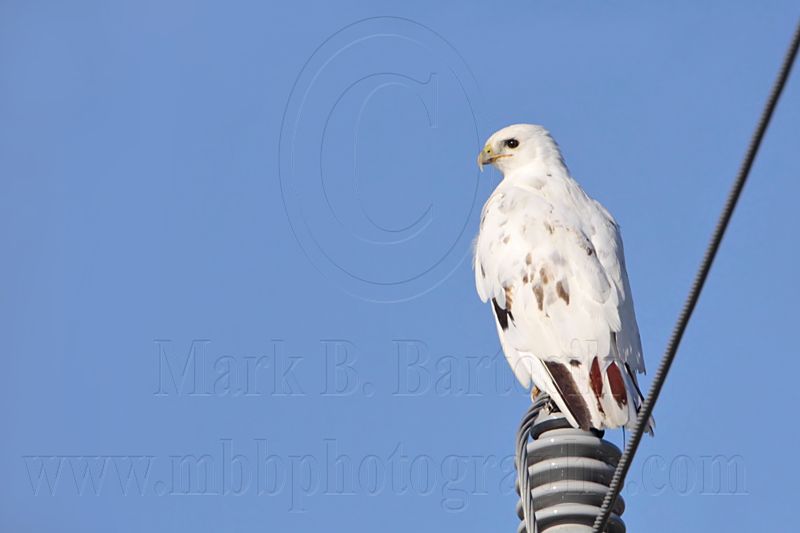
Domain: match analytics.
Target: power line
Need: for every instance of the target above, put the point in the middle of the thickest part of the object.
(697, 286)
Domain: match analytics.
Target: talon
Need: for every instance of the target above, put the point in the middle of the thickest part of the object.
(535, 392)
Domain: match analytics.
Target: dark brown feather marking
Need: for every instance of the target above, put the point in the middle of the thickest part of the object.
(562, 292)
(539, 293)
(545, 277)
(502, 315)
(617, 384)
(596, 381)
(575, 401)
(509, 298)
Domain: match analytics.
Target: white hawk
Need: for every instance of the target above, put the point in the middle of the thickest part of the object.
(550, 261)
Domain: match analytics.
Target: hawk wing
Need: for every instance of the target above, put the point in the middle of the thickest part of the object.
(559, 291)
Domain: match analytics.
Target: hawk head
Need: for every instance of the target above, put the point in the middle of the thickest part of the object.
(516, 146)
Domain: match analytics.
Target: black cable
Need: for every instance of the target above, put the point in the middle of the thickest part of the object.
(697, 286)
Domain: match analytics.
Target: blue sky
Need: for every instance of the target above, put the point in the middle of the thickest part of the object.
(239, 234)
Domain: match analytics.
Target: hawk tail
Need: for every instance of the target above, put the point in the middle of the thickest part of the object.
(590, 396)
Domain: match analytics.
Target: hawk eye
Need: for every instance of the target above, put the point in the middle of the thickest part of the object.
(511, 143)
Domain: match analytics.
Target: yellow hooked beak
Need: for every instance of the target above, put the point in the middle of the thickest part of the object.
(488, 156)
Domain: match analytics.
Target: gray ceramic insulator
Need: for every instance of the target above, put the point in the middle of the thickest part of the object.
(569, 471)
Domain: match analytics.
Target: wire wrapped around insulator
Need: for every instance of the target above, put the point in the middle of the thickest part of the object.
(563, 473)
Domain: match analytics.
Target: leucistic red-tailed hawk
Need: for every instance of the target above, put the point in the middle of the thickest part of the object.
(550, 261)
